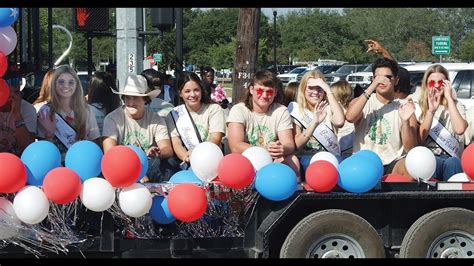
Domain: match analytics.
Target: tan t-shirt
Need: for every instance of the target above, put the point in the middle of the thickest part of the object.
(378, 130)
(8, 141)
(313, 146)
(442, 115)
(469, 134)
(160, 106)
(344, 134)
(209, 119)
(142, 133)
(261, 129)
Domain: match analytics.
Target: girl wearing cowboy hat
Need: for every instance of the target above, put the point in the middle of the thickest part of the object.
(133, 124)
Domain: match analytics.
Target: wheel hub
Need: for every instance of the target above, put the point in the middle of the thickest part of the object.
(454, 244)
(335, 246)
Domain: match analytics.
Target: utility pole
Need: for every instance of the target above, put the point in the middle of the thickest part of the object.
(129, 43)
(246, 51)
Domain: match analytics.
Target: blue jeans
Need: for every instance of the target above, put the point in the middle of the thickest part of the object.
(446, 166)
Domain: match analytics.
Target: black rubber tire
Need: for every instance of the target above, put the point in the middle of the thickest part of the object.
(333, 221)
(428, 227)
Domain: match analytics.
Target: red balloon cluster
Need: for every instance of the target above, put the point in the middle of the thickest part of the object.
(235, 171)
(187, 202)
(62, 185)
(4, 92)
(12, 173)
(3, 64)
(467, 161)
(121, 166)
(321, 176)
(393, 177)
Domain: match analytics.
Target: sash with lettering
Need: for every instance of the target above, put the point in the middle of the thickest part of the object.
(64, 132)
(185, 126)
(322, 133)
(443, 138)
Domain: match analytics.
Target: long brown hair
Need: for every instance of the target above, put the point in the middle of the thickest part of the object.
(423, 100)
(45, 90)
(267, 79)
(78, 103)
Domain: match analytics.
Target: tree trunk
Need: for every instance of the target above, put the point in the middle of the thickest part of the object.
(246, 51)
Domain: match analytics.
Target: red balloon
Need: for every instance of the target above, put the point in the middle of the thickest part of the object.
(235, 171)
(187, 202)
(121, 166)
(4, 92)
(12, 173)
(3, 64)
(321, 176)
(467, 161)
(62, 185)
(393, 177)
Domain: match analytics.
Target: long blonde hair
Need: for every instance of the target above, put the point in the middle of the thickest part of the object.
(78, 103)
(343, 92)
(423, 100)
(300, 98)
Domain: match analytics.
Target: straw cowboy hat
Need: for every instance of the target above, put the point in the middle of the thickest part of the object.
(136, 85)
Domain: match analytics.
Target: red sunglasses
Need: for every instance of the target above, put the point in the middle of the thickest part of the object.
(269, 92)
(432, 83)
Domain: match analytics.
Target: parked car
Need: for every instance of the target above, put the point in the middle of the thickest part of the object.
(285, 78)
(324, 69)
(343, 71)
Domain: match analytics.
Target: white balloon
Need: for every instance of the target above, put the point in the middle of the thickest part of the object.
(459, 177)
(205, 159)
(31, 205)
(97, 194)
(135, 200)
(420, 163)
(8, 219)
(8, 40)
(258, 156)
(325, 156)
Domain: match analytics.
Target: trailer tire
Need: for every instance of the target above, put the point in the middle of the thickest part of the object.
(446, 232)
(333, 234)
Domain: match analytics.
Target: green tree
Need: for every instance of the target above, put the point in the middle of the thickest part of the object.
(467, 48)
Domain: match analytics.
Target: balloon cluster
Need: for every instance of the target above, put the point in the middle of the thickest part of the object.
(8, 41)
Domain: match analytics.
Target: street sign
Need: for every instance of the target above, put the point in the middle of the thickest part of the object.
(441, 45)
(157, 58)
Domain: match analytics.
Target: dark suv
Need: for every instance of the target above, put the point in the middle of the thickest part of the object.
(343, 71)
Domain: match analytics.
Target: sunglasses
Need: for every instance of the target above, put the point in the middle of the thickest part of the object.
(62, 82)
(432, 83)
(269, 92)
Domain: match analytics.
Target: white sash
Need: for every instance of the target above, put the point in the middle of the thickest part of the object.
(443, 138)
(441, 135)
(185, 127)
(64, 132)
(322, 133)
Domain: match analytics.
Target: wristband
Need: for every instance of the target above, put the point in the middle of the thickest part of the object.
(366, 94)
(19, 123)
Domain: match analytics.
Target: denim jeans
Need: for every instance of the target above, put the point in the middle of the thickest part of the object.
(446, 166)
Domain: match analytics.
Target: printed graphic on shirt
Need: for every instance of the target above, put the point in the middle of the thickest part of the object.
(379, 130)
(203, 132)
(260, 135)
(136, 138)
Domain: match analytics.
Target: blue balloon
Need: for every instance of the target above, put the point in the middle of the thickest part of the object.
(159, 211)
(84, 157)
(143, 160)
(276, 181)
(8, 16)
(358, 174)
(185, 176)
(39, 158)
(374, 157)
